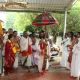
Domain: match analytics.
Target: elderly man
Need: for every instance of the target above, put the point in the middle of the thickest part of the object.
(10, 31)
(26, 50)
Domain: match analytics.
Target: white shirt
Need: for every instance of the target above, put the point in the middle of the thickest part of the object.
(24, 42)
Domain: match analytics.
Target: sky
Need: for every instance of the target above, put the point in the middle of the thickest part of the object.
(3, 17)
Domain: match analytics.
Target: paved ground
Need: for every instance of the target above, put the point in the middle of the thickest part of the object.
(55, 73)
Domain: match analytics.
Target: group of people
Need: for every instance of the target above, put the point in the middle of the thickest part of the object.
(28, 49)
(35, 50)
(71, 54)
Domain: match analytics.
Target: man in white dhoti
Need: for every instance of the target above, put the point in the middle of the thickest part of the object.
(41, 49)
(35, 51)
(65, 53)
(48, 53)
(25, 46)
(48, 50)
(75, 64)
(38, 57)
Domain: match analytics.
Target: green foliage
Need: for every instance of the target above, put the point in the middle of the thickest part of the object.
(32, 28)
(21, 20)
(39, 28)
(73, 22)
(9, 20)
(18, 20)
(58, 29)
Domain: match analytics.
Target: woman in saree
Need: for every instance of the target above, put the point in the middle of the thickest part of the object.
(70, 48)
(9, 54)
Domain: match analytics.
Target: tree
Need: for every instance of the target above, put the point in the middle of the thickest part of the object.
(73, 23)
(21, 20)
(9, 19)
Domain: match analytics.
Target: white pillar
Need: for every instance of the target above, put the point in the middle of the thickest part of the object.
(65, 23)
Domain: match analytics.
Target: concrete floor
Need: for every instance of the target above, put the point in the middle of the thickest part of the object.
(55, 73)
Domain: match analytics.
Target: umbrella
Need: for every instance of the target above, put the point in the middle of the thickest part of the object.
(44, 19)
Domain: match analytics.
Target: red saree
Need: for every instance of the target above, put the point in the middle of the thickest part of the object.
(70, 50)
(9, 56)
(43, 48)
(70, 54)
